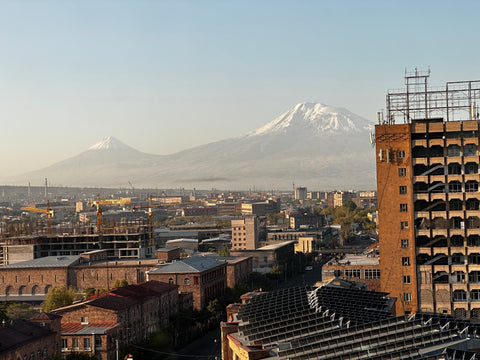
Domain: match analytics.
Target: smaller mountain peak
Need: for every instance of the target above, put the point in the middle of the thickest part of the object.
(109, 143)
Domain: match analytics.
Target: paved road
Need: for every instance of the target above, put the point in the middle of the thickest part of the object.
(207, 347)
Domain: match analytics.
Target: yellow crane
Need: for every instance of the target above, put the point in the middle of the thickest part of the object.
(98, 202)
(48, 212)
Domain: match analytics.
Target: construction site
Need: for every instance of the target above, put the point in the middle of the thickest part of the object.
(121, 239)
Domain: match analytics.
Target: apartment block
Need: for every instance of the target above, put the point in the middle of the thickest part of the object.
(428, 199)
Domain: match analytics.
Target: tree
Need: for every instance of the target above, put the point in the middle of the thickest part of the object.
(225, 251)
(57, 298)
(120, 283)
(20, 311)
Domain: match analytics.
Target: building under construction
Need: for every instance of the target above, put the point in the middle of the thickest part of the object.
(125, 240)
(427, 157)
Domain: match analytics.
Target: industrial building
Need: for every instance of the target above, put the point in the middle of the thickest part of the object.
(428, 198)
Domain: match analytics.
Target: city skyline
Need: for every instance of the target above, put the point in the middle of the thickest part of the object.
(167, 76)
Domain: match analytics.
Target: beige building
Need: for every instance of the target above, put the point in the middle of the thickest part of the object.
(245, 233)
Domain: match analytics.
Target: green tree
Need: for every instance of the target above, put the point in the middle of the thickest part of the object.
(20, 311)
(57, 298)
(120, 283)
(225, 251)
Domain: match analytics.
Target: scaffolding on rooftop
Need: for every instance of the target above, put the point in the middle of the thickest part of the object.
(458, 101)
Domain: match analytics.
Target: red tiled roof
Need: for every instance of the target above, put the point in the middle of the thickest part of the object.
(72, 328)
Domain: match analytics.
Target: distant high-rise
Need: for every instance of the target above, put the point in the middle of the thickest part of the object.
(300, 193)
(428, 198)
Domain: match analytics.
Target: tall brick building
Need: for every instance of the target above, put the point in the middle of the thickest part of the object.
(428, 199)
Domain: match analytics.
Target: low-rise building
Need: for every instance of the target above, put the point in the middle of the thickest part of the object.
(363, 268)
(203, 276)
(35, 338)
(266, 257)
(127, 315)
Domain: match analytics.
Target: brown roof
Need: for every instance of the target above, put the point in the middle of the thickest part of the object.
(145, 289)
(44, 316)
(18, 332)
(73, 328)
(112, 302)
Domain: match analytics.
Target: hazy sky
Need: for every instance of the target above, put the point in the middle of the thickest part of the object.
(163, 76)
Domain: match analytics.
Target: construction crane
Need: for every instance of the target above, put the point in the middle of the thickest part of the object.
(48, 212)
(150, 214)
(98, 202)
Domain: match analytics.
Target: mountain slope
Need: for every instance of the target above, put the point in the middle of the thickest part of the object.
(314, 145)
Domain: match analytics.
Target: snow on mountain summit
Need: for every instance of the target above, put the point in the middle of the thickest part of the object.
(109, 143)
(317, 117)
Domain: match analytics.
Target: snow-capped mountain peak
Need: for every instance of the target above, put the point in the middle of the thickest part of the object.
(315, 117)
(109, 143)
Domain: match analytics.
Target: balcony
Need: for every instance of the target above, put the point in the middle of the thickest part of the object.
(454, 177)
(455, 213)
(420, 196)
(454, 159)
(438, 232)
(421, 179)
(421, 160)
(473, 231)
(437, 268)
(441, 214)
(440, 251)
(472, 213)
(434, 142)
(458, 249)
(455, 195)
(457, 232)
(474, 177)
(423, 250)
(437, 160)
(440, 178)
(419, 142)
(438, 196)
(473, 158)
(423, 232)
(422, 214)
(454, 142)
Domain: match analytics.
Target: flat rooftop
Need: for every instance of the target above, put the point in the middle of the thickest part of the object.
(351, 259)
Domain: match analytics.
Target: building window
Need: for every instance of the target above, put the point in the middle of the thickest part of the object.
(469, 150)
(84, 319)
(86, 343)
(407, 279)
(404, 243)
(352, 273)
(372, 274)
(98, 342)
(401, 154)
(402, 189)
(170, 281)
(402, 172)
(403, 225)
(75, 343)
(453, 150)
(405, 261)
(403, 207)
(407, 297)
(195, 280)
(64, 344)
(186, 281)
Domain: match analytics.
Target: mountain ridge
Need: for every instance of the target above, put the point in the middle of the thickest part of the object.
(312, 144)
